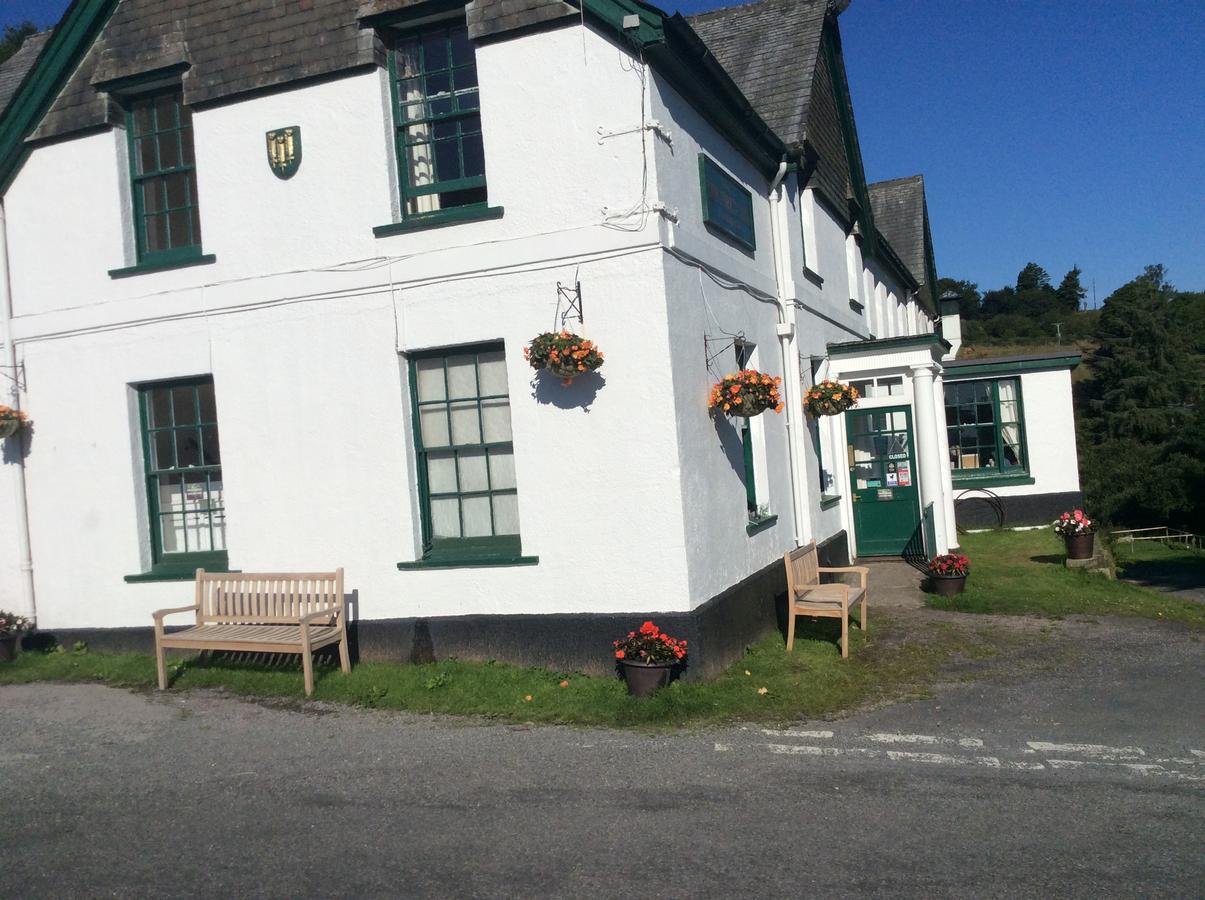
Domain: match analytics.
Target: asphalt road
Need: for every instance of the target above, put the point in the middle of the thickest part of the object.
(1083, 782)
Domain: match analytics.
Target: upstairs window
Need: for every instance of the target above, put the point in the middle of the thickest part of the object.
(983, 424)
(167, 221)
(437, 121)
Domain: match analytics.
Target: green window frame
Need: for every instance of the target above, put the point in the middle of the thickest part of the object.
(985, 426)
(437, 122)
(163, 178)
(183, 465)
(468, 492)
(727, 205)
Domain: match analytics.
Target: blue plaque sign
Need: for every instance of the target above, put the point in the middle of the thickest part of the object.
(727, 204)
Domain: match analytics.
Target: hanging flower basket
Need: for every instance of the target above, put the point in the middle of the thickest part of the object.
(564, 354)
(830, 398)
(12, 421)
(746, 394)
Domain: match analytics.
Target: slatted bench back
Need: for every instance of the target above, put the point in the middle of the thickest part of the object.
(267, 598)
(802, 568)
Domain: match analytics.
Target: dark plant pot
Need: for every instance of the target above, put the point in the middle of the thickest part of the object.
(8, 648)
(645, 678)
(1079, 546)
(948, 585)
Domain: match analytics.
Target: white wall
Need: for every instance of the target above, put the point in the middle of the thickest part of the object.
(703, 316)
(1047, 405)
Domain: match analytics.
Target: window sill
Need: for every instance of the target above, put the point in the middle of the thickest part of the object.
(828, 501)
(142, 268)
(973, 481)
(454, 216)
(470, 563)
(760, 525)
(813, 276)
(184, 569)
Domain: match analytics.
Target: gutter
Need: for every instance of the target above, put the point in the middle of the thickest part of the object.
(20, 503)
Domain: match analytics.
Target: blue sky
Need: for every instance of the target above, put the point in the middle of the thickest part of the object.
(1069, 132)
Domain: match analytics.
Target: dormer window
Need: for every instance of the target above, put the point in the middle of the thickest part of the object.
(437, 127)
(167, 223)
(438, 120)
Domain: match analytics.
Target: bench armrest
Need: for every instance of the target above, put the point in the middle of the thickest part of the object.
(321, 614)
(862, 571)
(159, 614)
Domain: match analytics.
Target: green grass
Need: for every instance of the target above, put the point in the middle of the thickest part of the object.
(1167, 565)
(810, 682)
(1022, 573)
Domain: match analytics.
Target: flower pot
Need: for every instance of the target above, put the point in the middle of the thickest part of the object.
(8, 648)
(1079, 546)
(948, 585)
(645, 678)
(9, 427)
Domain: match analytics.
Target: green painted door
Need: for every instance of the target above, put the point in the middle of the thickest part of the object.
(882, 480)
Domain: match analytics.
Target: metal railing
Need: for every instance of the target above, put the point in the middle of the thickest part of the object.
(1160, 533)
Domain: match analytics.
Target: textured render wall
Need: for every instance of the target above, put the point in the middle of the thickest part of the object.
(311, 397)
(719, 551)
(315, 437)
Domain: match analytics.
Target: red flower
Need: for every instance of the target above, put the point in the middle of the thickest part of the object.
(619, 654)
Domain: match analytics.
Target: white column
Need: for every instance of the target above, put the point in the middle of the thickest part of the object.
(928, 448)
(943, 441)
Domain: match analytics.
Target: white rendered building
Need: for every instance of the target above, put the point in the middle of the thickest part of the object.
(269, 270)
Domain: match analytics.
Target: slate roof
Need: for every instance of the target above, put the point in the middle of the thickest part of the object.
(238, 46)
(769, 49)
(17, 66)
(772, 50)
(902, 217)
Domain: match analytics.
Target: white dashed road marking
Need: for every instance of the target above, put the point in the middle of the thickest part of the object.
(1055, 757)
(1098, 751)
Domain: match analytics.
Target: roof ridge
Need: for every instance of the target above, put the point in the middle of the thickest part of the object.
(906, 178)
(735, 6)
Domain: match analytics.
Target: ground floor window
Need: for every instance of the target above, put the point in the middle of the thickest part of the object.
(183, 460)
(984, 427)
(466, 461)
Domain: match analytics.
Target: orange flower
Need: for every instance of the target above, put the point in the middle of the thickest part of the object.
(619, 654)
(564, 684)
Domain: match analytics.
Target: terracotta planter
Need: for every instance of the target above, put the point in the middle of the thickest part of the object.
(1079, 546)
(948, 585)
(9, 427)
(645, 678)
(8, 648)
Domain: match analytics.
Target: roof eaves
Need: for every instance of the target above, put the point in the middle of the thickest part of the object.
(66, 46)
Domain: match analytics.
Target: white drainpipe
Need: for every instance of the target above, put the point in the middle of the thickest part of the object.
(792, 389)
(20, 505)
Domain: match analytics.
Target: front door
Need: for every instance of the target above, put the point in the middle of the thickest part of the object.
(882, 480)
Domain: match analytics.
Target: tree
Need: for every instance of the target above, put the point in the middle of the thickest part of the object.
(1144, 417)
(1032, 278)
(968, 296)
(1070, 292)
(14, 36)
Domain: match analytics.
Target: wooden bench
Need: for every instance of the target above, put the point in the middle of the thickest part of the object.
(261, 613)
(806, 596)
